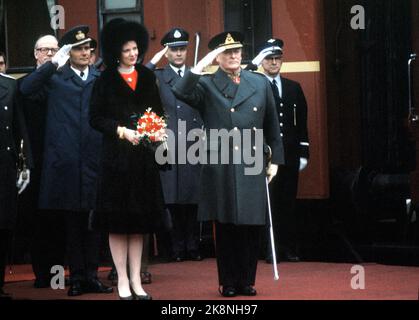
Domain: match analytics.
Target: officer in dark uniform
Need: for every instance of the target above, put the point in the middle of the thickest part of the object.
(241, 103)
(291, 106)
(71, 153)
(181, 183)
(12, 133)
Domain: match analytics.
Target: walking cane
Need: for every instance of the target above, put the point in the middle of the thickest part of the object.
(271, 232)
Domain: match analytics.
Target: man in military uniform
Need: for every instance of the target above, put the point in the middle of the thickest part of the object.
(12, 132)
(240, 102)
(71, 153)
(181, 183)
(291, 107)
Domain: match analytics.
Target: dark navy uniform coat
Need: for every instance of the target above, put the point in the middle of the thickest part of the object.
(12, 131)
(71, 146)
(181, 183)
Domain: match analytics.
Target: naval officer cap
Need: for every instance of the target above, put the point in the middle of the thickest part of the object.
(177, 37)
(75, 36)
(227, 39)
(272, 47)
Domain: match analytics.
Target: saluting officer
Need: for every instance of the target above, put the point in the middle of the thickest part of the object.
(181, 183)
(237, 101)
(12, 132)
(291, 106)
(71, 153)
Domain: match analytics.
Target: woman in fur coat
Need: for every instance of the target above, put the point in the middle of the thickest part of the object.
(130, 197)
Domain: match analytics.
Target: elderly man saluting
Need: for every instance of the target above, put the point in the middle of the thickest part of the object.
(235, 199)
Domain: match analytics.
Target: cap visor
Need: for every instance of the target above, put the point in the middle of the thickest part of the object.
(232, 46)
(81, 42)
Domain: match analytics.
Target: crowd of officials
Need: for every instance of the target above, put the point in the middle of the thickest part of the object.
(72, 159)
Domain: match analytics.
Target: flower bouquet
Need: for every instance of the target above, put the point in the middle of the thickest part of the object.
(151, 128)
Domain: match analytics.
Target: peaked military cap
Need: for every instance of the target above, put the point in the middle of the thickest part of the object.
(272, 46)
(228, 39)
(75, 36)
(177, 37)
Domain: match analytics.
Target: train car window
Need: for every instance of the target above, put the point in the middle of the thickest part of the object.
(21, 23)
(251, 17)
(127, 9)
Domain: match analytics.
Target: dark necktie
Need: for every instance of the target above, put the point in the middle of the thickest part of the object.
(275, 91)
(275, 88)
(82, 75)
(180, 73)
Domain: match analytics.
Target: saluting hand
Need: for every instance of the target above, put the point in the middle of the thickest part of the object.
(207, 60)
(157, 57)
(61, 57)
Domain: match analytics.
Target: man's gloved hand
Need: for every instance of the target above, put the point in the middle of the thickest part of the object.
(207, 60)
(303, 163)
(157, 57)
(262, 55)
(61, 57)
(271, 171)
(23, 180)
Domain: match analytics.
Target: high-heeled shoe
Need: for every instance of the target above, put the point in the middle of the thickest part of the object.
(140, 297)
(129, 298)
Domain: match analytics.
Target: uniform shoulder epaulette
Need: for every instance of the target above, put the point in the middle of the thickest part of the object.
(207, 73)
(7, 76)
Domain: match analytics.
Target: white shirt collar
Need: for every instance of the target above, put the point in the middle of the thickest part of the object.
(85, 71)
(175, 69)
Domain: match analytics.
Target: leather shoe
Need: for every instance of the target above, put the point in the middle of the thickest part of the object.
(129, 298)
(195, 256)
(140, 297)
(291, 257)
(145, 277)
(95, 286)
(177, 259)
(228, 292)
(75, 289)
(247, 291)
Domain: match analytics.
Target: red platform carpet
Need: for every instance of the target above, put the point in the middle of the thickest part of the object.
(298, 281)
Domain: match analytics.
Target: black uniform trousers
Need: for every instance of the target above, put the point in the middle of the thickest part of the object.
(4, 249)
(283, 193)
(48, 242)
(83, 246)
(237, 248)
(185, 230)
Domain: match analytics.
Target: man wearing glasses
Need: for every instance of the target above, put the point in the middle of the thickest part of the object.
(45, 48)
(46, 229)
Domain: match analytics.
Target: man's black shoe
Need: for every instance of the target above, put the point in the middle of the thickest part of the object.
(95, 286)
(195, 256)
(291, 257)
(228, 292)
(247, 291)
(76, 289)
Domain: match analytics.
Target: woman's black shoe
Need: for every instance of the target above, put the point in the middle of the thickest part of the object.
(228, 292)
(125, 298)
(140, 297)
